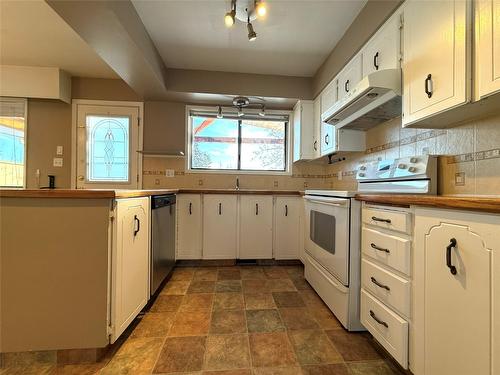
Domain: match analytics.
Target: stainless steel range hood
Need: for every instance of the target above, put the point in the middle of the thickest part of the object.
(375, 99)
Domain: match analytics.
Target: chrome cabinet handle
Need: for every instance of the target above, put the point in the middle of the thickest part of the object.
(428, 86)
(220, 208)
(136, 220)
(286, 209)
(453, 244)
(327, 139)
(190, 208)
(381, 322)
(256, 208)
(315, 145)
(374, 280)
(388, 221)
(379, 248)
(375, 61)
(346, 86)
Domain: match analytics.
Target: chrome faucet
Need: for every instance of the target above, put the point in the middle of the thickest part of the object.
(237, 183)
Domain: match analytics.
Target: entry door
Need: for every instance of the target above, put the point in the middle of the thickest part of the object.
(107, 144)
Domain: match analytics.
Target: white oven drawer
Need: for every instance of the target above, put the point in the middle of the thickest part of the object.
(390, 250)
(388, 328)
(388, 219)
(386, 286)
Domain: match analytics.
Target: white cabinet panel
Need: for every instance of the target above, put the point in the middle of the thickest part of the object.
(219, 226)
(329, 96)
(303, 141)
(316, 127)
(382, 51)
(349, 77)
(487, 47)
(436, 64)
(189, 227)
(287, 219)
(455, 292)
(130, 262)
(256, 227)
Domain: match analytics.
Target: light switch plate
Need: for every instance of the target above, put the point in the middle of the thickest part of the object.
(169, 173)
(59, 150)
(57, 162)
(460, 179)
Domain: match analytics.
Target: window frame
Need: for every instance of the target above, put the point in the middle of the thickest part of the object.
(232, 111)
(25, 165)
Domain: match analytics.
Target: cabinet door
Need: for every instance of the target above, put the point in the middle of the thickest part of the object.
(435, 60)
(329, 96)
(189, 226)
(453, 311)
(130, 262)
(349, 77)
(382, 51)
(287, 215)
(316, 126)
(488, 46)
(219, 226)
(327, 143)
(303, 119)
(256, 227)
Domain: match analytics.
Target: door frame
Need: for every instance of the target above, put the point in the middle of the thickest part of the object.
(74, 131)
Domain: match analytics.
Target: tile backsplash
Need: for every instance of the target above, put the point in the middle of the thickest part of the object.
(469, 162)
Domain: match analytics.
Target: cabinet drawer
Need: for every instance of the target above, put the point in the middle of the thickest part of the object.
(390, 250)
(388, 328)
(386, 286)
(394, 220)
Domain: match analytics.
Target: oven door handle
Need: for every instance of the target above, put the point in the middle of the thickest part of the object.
(339, 202)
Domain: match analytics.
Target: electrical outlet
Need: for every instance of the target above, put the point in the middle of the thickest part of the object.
(200, 182)
(460, 179)
(57, 162)
(275, 183)
(305, 184)
(157, 181)
(59, 150)
(169, 173)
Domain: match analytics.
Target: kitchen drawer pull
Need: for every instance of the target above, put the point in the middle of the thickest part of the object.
(220, 208)
(374, 280)
(375, 61)
(453, 244)
(256, 208)
(286, 209)
(190, 208)
(379, 248)
(388, 221)
(381, 322)
(346, 86)
(315, 145)
(428, 86)
(136, 220)
(327, 139)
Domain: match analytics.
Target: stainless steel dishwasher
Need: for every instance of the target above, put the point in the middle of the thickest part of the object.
(162, 238)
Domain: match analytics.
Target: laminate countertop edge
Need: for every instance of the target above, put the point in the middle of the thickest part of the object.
(482, 204)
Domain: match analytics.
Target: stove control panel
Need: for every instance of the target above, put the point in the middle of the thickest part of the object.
(413, 167)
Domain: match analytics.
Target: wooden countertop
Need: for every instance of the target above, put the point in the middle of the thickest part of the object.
(475, 203)
(113, 194)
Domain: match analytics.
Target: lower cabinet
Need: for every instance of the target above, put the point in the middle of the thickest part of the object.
(189, 229)
(288, 213)
(256, 227)
(130, 262)
(456, 299)
(219, 226)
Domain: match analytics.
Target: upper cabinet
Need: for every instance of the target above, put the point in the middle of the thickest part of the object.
(435, 66)
(383, 50)
(349, 77)
(316, 127)
(487, 33)
(303, 140)
(329, 96)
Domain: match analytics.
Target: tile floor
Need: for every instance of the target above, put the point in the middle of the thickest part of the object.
(237, 321)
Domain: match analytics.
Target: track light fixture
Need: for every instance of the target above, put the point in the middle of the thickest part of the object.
(219, 112)
(262, 112)
(246, 11)
(240, 112)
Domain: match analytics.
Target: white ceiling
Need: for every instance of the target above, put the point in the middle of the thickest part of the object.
(32, 34)
(294, 39)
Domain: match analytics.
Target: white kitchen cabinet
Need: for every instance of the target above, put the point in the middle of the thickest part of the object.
(436, 63)
(219, 226)
(316, 127)
(130, 262)
(189, 226)
(349, 77)
(327, 140)
(487, 47)
(287, 225)
(383, 50)
(347, 140)
(303, 118)
(256, 227)
(456, 329)
(329, 96)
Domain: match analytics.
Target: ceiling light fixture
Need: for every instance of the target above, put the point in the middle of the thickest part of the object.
(230, 16)
(240, 112)
(262, 112)
(219, 112)
(246, 11)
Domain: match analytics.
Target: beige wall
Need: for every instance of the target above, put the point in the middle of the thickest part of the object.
(472, 149)
(373, 14)
(164, 128)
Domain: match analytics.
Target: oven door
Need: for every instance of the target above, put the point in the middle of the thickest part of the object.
(327, 234)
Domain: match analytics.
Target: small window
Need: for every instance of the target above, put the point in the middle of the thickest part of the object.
(12, 142)
(249, 143)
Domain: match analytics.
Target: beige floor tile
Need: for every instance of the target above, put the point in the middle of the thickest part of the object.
(313, 347)
(271, 350)
(228, 273)
(310, 297)
(228, 321)
(181, 354)
(253, 285)
(324, 317)
(353, 346)
(371, 368)
(175, 287)
(228, 372)
(201, 287)
(154, 325)
(190, 323)
(280, 285)
(225, 352)
(228, 301)
(288, 299)
(252, 273)
(298, 318)
(83, 369)
(228, 286)
(205, 274)
(277, 371)
(185, 274)
(275, 272)
(264, 321)
(331, 369)
(197, 301)
(259, 301)
(301, 283)
(166, 303)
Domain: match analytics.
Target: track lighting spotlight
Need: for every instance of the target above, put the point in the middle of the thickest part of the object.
(219, 112)
(260, 7)
(240, 112)
(262, 112)
(252, 35)
(229, 17)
